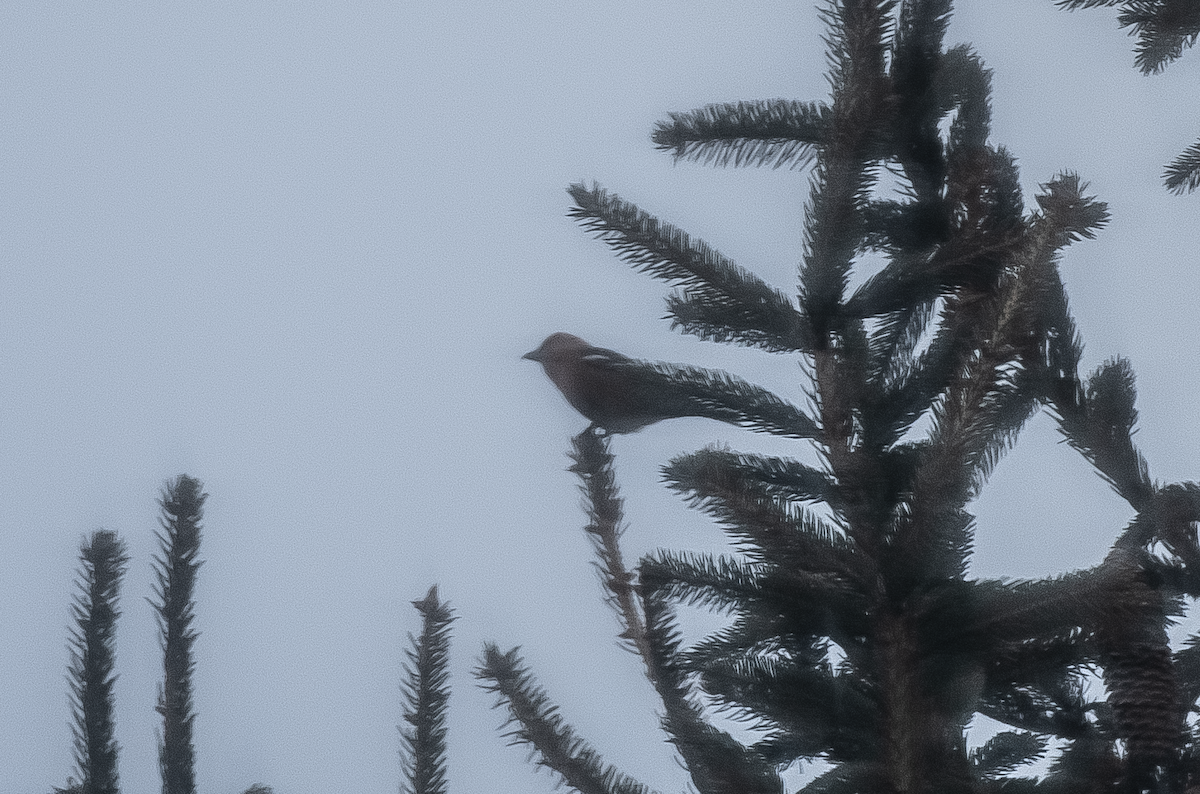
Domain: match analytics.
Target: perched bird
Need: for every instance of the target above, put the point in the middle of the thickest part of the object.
(622, 395)
(605, 386)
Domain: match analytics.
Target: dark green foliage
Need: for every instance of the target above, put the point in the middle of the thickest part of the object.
(1004, 752)
(750, 312)
(774, 132)
(593, 464)
(1164, 29)
(426, 692)
(854, 635)
(102, 560)
(1182, 174)
(182, 505)
(715, 760)
(537, 723)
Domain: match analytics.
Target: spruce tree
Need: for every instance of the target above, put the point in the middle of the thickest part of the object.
(102, 560)
(856, 636)
(182, 503)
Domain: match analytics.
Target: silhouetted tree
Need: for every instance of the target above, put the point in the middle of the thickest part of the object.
(182, 504)
(426, 692)
(102, 564)
(855, 634)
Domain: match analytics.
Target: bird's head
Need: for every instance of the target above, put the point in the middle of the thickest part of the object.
(556, 346)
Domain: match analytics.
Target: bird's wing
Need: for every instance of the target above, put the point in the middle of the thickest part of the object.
(602, 355)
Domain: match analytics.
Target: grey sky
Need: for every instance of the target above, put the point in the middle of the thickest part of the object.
(296, 250)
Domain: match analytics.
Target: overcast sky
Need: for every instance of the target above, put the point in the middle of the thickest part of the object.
(296, 250)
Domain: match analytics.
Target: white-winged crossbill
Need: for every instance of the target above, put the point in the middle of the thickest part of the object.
(601, 384)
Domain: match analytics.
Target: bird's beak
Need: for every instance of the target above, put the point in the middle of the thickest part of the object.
(534, 355)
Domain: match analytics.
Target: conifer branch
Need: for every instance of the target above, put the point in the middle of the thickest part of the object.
(983, 408)
(766, 527)
(1006, 751)
(963, 83)
(1164, 29)
(719, 395)
(103, 560)
(1046, 609)
(176, 565)
(1035, 685)
(993, 351)
(1067, 213)
(1170, 517)
(593, 464)
(1098, 418)
(984, 238)
(745, 309)
(718, 584)
(716, 761)
(807, 603)
(782, 477)
(916, 55)
(718, 320)
(893, 349)
(1182, 174)
(805, 696)
(426, 694)
(1187, 664)
(1098, 421)
(773, 132)
(842, 176)
(849, 778)
(1089, 763)
(535, 722)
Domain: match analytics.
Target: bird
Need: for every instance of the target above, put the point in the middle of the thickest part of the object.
(609, 389)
